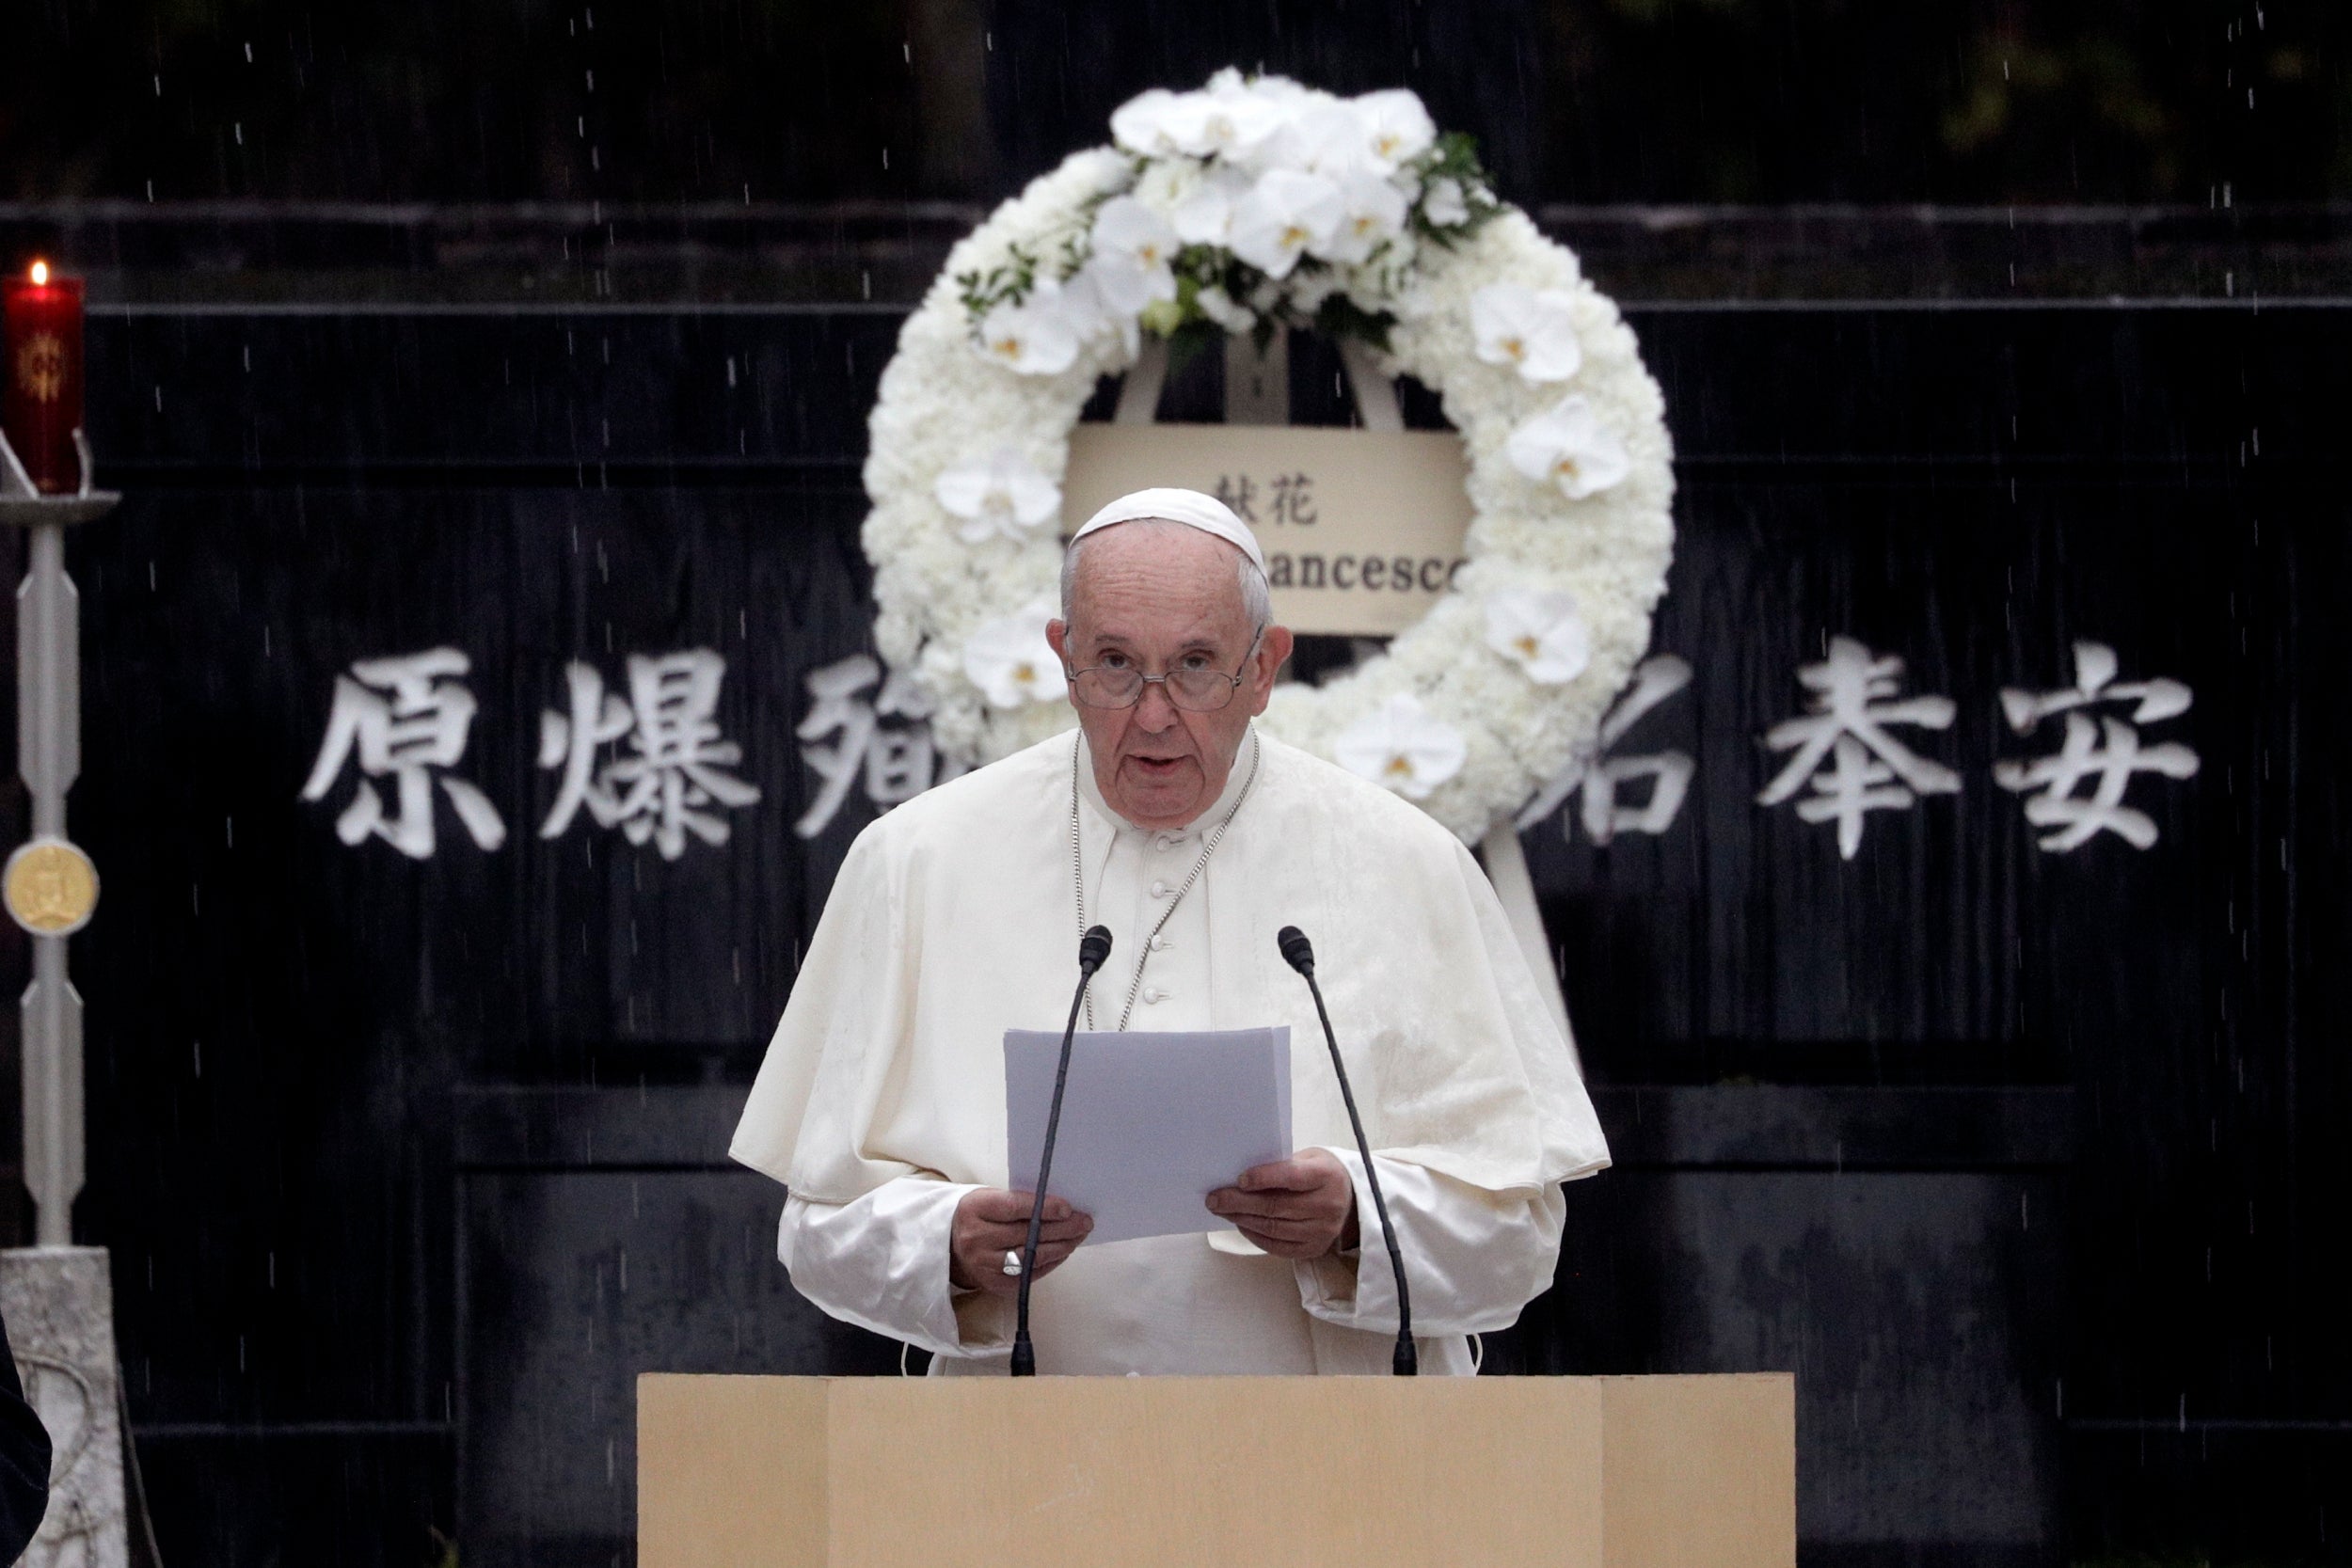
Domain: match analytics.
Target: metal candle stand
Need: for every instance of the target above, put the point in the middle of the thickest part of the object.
(42, 890)
(58, 1298)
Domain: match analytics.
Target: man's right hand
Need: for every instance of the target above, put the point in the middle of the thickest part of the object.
(991, 1222)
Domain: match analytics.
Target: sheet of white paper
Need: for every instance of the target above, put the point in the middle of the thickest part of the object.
(1151, 1122)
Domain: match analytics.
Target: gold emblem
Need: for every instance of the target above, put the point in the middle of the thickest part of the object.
(41, 367)
(51, 887)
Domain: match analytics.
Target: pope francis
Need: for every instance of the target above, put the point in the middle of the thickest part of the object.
(1170, 818)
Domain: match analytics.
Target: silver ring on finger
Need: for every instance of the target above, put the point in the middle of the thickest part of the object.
(1013, 1261)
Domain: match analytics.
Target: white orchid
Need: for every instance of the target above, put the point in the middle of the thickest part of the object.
(1279, 97)
(1540, 631)
(1445, 205)
(1570, 447)
(1285, 216)
(1219, 124)
(1120, 289)
(1396, 126)
(1326, 138)
(1205, 215)
(1372, 211)
(1001, 494)
(1533, 331)
(1280, 91)
(1096, 299)
(1125, 228)
(1167, 184)
(1010, 662)
(1041, 335)
(1146, 123)
(1401, 746)
(1133, 248)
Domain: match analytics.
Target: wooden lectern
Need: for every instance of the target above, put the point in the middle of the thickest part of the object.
(1501, 1472)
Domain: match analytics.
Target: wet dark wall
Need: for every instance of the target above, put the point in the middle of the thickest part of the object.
(2024, 1160)
(1587, 101)
(2136, 1301)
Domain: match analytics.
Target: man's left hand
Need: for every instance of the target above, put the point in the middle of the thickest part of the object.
(1302, 1207)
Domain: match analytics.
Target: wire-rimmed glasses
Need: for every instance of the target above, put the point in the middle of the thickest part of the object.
(1202, 690)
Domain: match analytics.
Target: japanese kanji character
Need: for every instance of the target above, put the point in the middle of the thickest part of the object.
(1237, 492)
(1847, 725)
(1295, 499)
(2104, 752)
(671, 764)
(404, 718)
(1603, 776)
(898, 762)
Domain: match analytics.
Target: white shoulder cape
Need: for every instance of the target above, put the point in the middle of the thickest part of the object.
(953, 919)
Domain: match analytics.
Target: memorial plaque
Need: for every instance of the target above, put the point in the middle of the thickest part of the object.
(1362, 530)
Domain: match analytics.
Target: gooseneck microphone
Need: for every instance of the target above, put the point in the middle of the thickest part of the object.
(1300, 956)
(1092, 949)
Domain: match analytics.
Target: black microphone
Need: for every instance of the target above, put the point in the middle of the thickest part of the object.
(1300, 956)
(1092, 949)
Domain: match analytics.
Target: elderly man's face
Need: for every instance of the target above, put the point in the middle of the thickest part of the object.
(1161, 596)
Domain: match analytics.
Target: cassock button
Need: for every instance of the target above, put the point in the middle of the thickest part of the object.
(1166, 841)
(1158, 943)
(1159, 890)
(1154, 993)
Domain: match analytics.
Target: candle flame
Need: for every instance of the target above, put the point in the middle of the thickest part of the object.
(41, 275)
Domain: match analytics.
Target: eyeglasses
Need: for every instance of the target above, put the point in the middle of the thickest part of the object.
(1116, 686)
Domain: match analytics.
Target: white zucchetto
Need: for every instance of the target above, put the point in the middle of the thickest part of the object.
(1188, 507)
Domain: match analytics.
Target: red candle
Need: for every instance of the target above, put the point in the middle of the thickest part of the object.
(42, 405)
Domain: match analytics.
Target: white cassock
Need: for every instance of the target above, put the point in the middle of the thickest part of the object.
(954, 918)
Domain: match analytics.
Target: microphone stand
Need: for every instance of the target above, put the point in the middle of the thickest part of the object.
(1092, 949)
(1300, 956)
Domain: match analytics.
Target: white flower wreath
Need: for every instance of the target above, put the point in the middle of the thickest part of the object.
(1242, 207)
